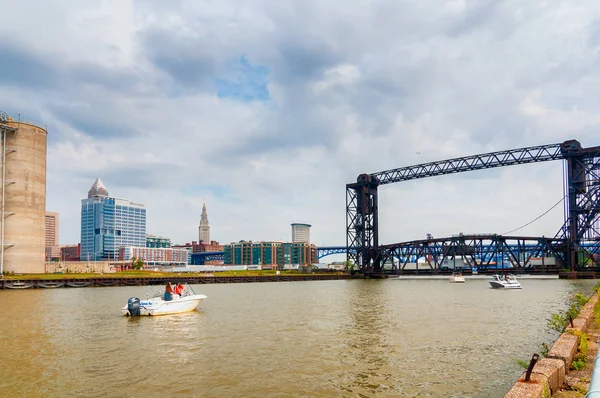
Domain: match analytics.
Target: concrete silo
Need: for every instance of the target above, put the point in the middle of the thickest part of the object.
(23, 195)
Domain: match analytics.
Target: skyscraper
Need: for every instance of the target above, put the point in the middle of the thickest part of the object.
(51, 229)
(204, 228)
(109, 223)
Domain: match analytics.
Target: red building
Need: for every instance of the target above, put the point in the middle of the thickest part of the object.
(196, 247)
(70, 252)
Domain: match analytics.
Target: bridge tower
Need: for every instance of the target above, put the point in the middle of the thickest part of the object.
(362, 225)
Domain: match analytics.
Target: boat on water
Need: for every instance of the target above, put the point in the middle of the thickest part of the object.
(457, 277)
(17, 285)
(505, 282)
(50, 284)
(78, 284)
(186, 301)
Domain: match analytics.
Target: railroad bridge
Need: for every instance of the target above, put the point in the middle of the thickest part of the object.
(574, 246)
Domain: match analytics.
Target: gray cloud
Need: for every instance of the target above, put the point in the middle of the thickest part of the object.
(26, 70)
(353, 87)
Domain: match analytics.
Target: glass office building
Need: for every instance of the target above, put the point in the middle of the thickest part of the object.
(109, 223)
(269, 253)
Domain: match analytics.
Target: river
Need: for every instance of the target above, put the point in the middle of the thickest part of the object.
(348, 338)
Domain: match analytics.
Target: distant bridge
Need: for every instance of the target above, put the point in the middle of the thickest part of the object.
(485, 251)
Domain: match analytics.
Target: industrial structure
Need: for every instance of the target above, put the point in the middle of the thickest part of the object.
(300, 233)
(23, 196)
(575, 246)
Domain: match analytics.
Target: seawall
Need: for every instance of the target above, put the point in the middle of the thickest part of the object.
(548, 374)
(145, 281)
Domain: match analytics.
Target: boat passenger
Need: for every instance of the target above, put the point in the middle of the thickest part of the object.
(178, 289)
(168, 296)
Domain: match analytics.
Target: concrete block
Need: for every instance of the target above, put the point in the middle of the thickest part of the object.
(564, 348)
(536, 387)
(553, 370)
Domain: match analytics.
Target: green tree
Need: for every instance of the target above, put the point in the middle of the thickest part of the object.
(138, 264)
(350, 266)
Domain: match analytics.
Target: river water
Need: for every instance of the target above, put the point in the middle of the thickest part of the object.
(349, 338)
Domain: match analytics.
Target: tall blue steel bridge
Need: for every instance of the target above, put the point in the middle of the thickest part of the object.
(574, 246)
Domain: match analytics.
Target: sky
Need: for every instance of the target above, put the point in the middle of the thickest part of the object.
(266, 110)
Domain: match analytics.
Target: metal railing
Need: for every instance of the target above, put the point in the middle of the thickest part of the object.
(594, 391)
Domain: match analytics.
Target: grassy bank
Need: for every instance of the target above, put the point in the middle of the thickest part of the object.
(154, 274)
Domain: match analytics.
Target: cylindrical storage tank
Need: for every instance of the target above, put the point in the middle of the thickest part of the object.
(24, 193)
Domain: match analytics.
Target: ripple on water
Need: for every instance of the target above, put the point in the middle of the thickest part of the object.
(313, 339)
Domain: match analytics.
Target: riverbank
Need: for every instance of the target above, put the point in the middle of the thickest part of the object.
(552, 376)
(136, 279)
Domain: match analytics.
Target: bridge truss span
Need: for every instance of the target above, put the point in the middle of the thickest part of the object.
(582, 211)
(482, 251)
(510, 157)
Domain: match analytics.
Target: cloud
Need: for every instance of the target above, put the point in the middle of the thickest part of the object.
(266, 110)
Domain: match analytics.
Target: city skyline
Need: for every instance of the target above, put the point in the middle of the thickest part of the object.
(269, 128)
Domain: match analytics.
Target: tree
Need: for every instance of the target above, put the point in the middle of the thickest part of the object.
(350, 266)
(138, 264)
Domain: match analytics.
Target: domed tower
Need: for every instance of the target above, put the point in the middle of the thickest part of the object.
(204, 228)
(97, 189)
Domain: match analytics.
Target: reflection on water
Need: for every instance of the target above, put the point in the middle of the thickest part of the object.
(329, 338)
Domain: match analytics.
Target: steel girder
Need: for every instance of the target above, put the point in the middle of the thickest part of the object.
(490, 160)
(484, 251)
(362, 241)
(582, 218)
(330, 250)
(362, 212)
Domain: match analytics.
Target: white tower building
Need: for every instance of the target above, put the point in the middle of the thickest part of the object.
(204, 228)
(301, 233)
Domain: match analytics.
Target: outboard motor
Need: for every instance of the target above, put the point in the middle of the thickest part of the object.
(133, 305)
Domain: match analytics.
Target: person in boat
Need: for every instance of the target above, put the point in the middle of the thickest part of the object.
(168, 296)
(178, 289)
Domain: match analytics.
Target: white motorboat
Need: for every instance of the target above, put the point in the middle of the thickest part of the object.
(505, 282)
(187, 301)
(457, 277)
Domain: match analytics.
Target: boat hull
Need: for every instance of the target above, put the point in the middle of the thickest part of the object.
(51, 285)
(157, 306)
(500, 285)
(18, 285)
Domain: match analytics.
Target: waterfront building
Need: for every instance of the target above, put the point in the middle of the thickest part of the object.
(270, 254)
(155, 255)
(70, 252)
(300, 233)
(188, 247)
(157, 241)
(108, 223)
(53, 253)
(204, 228)
(295, 254)
(251, 253)
(51, 229)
